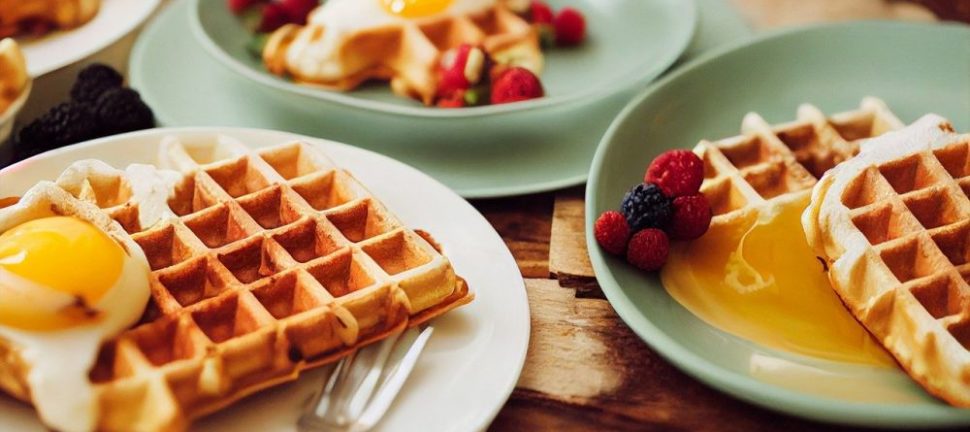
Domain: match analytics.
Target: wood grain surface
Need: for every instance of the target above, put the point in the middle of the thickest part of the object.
(585, 369)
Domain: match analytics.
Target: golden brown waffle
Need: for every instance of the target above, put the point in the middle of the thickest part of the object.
(13, 74)
(24, 16)
(894, 223)
(783, 162)
(406, 53)
(264, 264)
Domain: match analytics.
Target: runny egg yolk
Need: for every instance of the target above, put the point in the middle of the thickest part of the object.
(53, 270)
(758, 279)
(415, 8)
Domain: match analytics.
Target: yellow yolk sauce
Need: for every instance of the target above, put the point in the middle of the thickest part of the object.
(53, 270)
(416, 8)
(758, 279)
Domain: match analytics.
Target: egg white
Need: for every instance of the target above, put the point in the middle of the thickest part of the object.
(59, 361)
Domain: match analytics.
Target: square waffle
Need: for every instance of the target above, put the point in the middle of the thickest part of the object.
(895, 225)
(404, 51)
(783, 162)
(263, 264)
(24, 16)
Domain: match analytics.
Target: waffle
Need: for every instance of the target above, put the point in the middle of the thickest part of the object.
(35, 16)
(894, 223)
(769, 164)
(13, 73)
(263, 264)
(406, 52)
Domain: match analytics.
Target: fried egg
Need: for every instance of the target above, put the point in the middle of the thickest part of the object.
(66, 286)
(354, 15)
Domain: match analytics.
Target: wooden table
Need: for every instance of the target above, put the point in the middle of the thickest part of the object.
(585, 369)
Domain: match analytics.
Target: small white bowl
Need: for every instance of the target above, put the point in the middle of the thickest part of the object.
(9, 117)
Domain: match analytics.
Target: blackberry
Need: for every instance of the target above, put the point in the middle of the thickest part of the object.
(121, 110)
(93, 81)
(67, 123)
(645, 206)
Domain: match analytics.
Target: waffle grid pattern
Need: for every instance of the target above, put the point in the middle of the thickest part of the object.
(406, 53)
(269, 263)
(916, 216)
(895, 227)
(770, 163)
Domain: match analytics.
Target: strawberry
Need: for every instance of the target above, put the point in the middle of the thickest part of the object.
(238, 6)
(540, 12)
(455, 99)
(516, 84)
(570, 27)
(274, 17)
(297, 10)
(461, 69)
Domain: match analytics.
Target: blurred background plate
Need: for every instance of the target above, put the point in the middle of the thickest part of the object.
(915, 68)
(629, 41)
(114, 20)
(492, 154)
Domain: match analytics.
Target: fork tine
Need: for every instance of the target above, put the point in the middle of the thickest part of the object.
(405, 356)
(372, 373)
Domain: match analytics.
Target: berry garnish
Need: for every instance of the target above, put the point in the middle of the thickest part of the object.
(94, 80)
(297, 10)
(455, 99)
(274, 16)
(645, 206)
(516, 84)
(461, 69)
(612, 232)
(67, 123)
(570, 27)
(121, 110)
(677, 172)
(648, 249)
(540, 12)
(238, 6)
(691, 218)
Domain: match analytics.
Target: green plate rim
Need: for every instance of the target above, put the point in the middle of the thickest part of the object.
(738, 385)
(583, 97)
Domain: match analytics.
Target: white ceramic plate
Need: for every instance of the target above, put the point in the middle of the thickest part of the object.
(470, 365)
(114, 20)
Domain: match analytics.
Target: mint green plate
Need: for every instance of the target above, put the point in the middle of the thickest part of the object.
(916, 69)
(629, 41)
(493, 154)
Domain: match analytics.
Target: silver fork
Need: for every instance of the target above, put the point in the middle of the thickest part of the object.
(360, 388)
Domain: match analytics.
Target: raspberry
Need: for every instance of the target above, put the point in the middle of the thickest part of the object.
(648, 249)
(645, 206)
(516, 84)
(274, 17)
(540, 12)
(570, 27)
(692, 217)
(94, 80)
(677, 172)
(612, 232)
